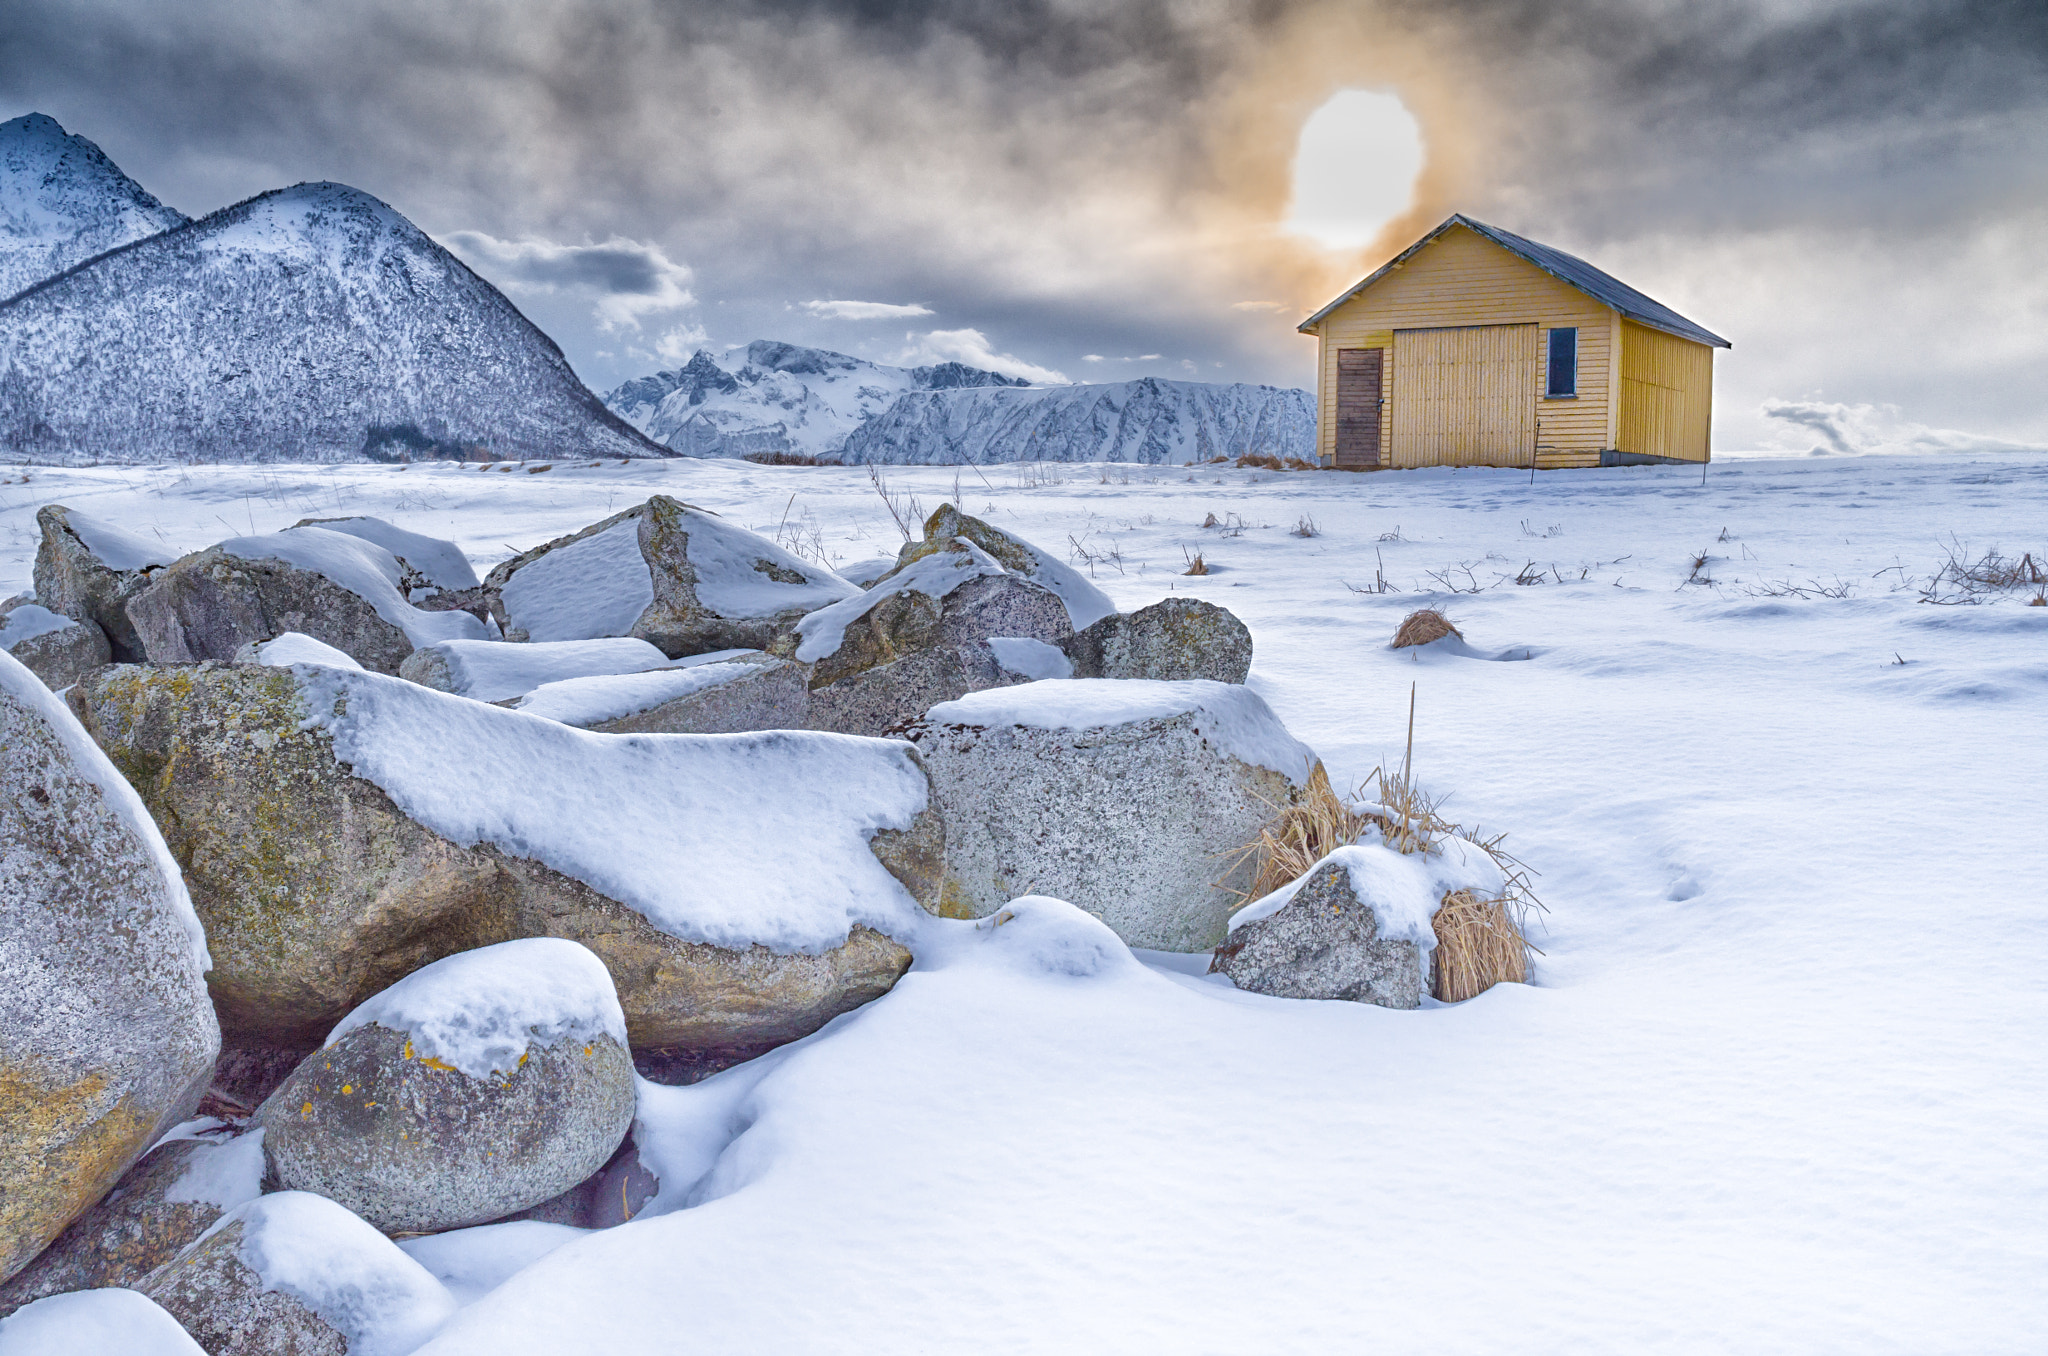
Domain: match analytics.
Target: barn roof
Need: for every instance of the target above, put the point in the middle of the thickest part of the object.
(1566, 268)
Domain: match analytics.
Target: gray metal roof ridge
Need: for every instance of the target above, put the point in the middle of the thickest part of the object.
(1574, 272)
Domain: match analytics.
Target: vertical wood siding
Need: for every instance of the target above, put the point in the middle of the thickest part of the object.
(1461, 278)
(1667, 394)
(1465, 397)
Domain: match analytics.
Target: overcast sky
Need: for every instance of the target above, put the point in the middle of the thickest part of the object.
(1855, 193)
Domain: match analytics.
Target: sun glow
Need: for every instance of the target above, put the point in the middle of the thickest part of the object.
(1355, 168)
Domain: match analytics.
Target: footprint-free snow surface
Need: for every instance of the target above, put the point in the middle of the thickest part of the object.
(1776, 1086)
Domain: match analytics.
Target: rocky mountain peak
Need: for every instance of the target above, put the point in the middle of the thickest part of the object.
(62, 201)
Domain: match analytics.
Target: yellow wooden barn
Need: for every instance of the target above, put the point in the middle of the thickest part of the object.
(1475, 347)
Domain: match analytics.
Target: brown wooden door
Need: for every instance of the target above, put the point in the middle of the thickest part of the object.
(1358, 406)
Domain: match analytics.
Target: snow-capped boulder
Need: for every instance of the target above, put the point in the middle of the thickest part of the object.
(106, 1037)
(341, 829)
(88, 568)
(293, 647)
(429, 564)
(477, 1086)
(1359, 926)
(110, 1320)
(735, 692)
(1086, 604)
(494, 671)
(343, 590)
(667, 572)
(1172, 641)
(52, 646)
(164, 1202)
(294, 1274)
(919, 637)
(1123, 798)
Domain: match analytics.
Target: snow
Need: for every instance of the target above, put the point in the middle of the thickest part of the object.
(496, 670)
(224, 1173)
(1774, 1088)
(1231, 716)
(27, 621)
(473, 1262)
(935, 576)
(296, 647)
(728, 582)
(441, 562)
(1403, 890)
(482, 1010)
(120, 798)
(591, 701)
(726, 839)
(330, 1260)
(1030, 658)
(364, 569)
(865, 572)
(117, 547)
(84, 1321)
(588, 589)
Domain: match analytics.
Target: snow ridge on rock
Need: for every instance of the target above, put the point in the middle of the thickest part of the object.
(62, 201)
(311, 323)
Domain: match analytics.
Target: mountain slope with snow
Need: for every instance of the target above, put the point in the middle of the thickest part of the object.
(62, 201)
(780, 398)
(312, 323)
(1148, 420)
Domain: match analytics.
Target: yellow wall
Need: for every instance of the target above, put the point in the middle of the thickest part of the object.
(1667, 394)
(1461, 278)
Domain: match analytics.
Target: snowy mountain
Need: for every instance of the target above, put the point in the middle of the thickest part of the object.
(1148, 420)
(312, 323)
(62, 201)
(778, 398)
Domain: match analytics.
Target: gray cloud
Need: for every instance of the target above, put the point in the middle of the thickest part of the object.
(1064, 178)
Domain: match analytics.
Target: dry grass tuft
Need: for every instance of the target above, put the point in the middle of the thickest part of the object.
(1478, 945)
(1481, 942)
(1196, 565)
(1422, 626)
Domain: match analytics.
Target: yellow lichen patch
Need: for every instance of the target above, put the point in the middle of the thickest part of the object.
(347, 1088)
(64, 1146)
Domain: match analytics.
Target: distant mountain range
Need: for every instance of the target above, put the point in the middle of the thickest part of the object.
(315, 323)
(783, 399)
(777, 398)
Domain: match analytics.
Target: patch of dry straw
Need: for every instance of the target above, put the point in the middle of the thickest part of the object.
(1422, 626)
(1480, 942)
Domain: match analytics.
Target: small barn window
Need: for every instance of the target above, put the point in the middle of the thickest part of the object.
(1564, 363)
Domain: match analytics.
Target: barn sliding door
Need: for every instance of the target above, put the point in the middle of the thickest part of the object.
(1358, 406)
(1466, 396)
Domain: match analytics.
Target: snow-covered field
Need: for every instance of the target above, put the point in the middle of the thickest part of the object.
(1778, 1085)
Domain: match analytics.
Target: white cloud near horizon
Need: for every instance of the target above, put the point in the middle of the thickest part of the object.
(972, 348)
(865, 310)
(627, 280)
